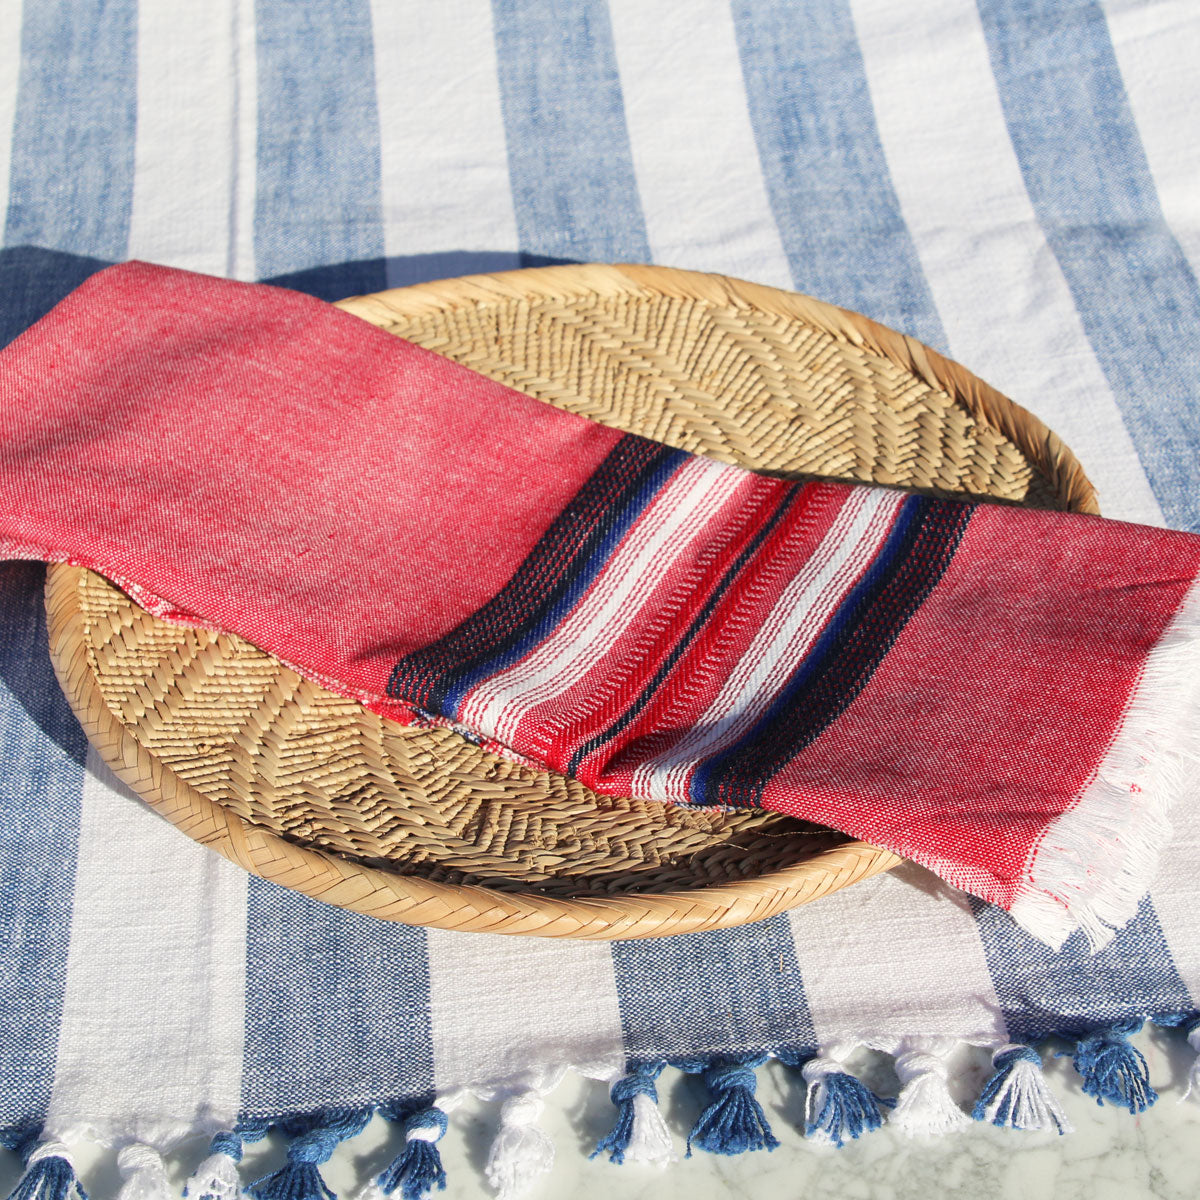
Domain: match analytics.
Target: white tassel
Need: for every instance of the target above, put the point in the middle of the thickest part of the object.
(144, 1173)
(49, 1148)
(216, 1178)
(925, 1106)
(521, 1152)
(651, 1140)
(1193, 1087)
(1018, 1096)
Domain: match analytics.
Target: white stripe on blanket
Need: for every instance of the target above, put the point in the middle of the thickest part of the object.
(185, 157)
(501, 1007)
(154, 1013)
(906, 956)
(692, 144)
(435, 113)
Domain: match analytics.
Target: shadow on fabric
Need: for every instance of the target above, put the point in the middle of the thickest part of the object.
(339, 280)
(25, 668)
(33, 280)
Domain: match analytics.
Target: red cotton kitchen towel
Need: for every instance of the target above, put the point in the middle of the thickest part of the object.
(1006, 696)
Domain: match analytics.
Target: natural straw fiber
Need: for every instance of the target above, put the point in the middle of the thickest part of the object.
(307, 789)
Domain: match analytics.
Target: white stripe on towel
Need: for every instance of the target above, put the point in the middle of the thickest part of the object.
(659, 537)
(443, 158)
(155, 977)
(882, 976)
(242, 259)
(786, 635)
(558, 995)
(701, 184)
(184, 161)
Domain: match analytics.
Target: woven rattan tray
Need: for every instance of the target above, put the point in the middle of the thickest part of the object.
(307, 789)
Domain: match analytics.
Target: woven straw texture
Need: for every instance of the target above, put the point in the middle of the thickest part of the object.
(307, 789)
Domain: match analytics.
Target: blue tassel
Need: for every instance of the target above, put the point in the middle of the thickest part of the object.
(417, 1170)
(314, 1139)
(840, 1107)
(734, 1122)
(1113, 1069)
(639, 1082)
(48, 1176)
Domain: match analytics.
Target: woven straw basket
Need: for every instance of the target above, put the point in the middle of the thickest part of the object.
(309, 790)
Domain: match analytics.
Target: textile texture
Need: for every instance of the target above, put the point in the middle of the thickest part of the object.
(1003, 695)
(1013, 183)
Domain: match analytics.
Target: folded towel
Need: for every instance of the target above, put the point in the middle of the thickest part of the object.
(1006, 696)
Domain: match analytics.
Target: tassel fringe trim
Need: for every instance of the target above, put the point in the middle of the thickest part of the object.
(838, 1107)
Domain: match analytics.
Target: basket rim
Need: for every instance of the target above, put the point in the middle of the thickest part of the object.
(395, 896)
(410, 898)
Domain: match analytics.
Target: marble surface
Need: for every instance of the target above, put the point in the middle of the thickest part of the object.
(1110, 1156)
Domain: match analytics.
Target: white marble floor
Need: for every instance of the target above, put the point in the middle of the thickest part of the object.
(1110, 1156)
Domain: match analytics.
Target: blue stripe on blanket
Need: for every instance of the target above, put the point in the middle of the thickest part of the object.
(43, 751)
(824, 166)
(337, 1004)
(71, 178)
(569, 160)
(70, 190)
(1042, 992)
(318, 219)
(730, 992)
(1096, 201)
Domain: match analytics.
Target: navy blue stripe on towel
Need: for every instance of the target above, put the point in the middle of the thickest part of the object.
(846, 655)
(547, 584)
(1043, 992)
(337, 1007)
(726, 993)
(318, 218)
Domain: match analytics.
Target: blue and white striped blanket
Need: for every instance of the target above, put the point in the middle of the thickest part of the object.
(1016, 182)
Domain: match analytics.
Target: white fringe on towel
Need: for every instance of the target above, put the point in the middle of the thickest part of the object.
(1095, 862)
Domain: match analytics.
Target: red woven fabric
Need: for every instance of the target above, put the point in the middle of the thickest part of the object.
(1000, 694)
